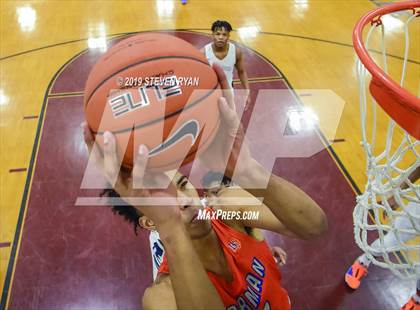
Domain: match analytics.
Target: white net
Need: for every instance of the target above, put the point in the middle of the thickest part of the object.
(387, 215)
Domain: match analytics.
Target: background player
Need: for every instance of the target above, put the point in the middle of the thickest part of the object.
(359, 269)
(227, 55)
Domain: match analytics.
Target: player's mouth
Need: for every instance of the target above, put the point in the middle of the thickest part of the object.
(194, 218)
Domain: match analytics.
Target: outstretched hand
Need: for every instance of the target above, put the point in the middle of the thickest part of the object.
(279, 255)
(137, 183)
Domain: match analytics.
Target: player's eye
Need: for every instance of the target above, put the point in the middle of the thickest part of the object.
(215, 192)
(183, 185)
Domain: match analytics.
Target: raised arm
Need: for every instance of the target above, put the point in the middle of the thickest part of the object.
(266, 219)
(292, 206)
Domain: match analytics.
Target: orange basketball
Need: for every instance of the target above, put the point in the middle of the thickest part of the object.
(157, 90)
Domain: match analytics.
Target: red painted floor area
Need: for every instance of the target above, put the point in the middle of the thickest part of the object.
(88, 258)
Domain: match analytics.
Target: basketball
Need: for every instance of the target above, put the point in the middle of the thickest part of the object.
(158, 90)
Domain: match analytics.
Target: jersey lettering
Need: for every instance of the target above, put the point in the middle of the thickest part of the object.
(254, 282)
(258, 267)
(253, 298)
(242, 304)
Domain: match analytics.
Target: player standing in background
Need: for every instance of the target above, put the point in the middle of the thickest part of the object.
(227, 55)
(359, 269)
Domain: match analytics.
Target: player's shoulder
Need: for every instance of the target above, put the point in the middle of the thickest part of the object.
(159, 295)
(238, 50)
(203, 49)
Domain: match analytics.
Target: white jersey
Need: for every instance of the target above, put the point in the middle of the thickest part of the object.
(157, 250)
(227, 63)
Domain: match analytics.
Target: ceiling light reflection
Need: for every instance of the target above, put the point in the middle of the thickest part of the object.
(165, 8)
(26, 18)
(97, 37)
(97, 43)
(4, 100)
(301, 4)
(392, 23)
(248, 32)
(299, 9)
(302, 119)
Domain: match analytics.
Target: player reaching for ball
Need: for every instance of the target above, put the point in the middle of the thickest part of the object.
(359, 269)
(213, 264)
(227, 55)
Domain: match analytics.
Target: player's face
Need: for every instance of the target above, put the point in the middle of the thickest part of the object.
(190, 206)
(220, 196)
(214, 194)
(220, 37)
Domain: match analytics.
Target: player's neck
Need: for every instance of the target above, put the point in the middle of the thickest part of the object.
(209, 250)
(220, 49)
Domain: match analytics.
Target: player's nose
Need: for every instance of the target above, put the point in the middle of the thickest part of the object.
(185, 201)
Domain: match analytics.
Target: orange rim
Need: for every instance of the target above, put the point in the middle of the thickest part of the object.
(398, 102)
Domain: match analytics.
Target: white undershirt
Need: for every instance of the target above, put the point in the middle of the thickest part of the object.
(227, 63)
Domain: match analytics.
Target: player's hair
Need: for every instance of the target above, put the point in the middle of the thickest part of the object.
(221, 24)
(213, 176)
(128, 212)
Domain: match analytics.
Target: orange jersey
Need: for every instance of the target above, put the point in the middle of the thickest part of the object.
(256, 278)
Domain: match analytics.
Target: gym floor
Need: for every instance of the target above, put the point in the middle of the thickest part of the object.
(55, 255)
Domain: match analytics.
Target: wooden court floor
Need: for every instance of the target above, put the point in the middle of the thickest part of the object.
(308, 43)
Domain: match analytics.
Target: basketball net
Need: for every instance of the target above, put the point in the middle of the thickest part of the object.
(390, 203)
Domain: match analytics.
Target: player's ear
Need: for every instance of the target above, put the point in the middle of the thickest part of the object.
(146, 223)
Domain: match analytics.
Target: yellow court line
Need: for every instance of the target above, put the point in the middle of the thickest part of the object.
(66, 94)
(274, 78)
(25, 211)
(341, 170)
(260, 80)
